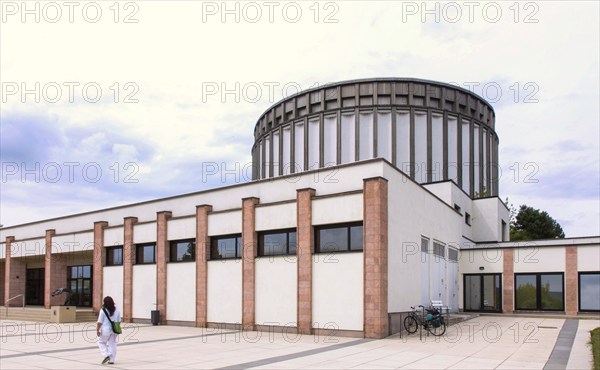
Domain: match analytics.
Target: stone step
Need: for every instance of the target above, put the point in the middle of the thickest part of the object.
(41, 314)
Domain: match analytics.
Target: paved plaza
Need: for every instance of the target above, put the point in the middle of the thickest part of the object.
(484, 342)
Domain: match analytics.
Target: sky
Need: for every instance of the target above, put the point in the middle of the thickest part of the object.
(108, 103)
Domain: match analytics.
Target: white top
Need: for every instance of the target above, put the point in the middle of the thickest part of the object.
(116, 317)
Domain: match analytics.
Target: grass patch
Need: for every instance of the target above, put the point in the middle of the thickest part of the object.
(596, 347)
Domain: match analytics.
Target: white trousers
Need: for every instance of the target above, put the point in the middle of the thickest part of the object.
(107, 341)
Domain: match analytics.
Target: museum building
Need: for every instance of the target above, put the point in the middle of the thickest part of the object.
(368, 197)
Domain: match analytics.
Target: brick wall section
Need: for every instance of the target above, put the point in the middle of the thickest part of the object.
(98, 265)
(508, 280)
(2, 273)
(128, 261)
(162, 256)
(58, 277)
(249, 242)
(202, 255)
(14, 267)
(375, 236)
(305, 248)
(48, 268)
(572, 281)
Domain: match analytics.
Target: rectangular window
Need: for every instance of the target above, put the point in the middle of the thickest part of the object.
(114, 256)
(504, 231)
(589, 291)
(330, 141)
(437, 147)
(424, 245)
(365, 138)
(467, 218)
(226, 246)
(403, 141)
(348, 140)
(452, 255)
(277, 243)
(453, 149)
(384, 135)
(339, 238)
(482, 292)
(182, 250)
(439, 249)
(539, 291)
(420, 148)
(145, 253)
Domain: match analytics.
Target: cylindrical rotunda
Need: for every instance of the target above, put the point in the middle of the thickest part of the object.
(431, 131)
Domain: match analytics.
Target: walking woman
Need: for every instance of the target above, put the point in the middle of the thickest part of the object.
(107, 340)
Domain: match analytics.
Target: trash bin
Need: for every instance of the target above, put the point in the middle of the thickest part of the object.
(155, 317)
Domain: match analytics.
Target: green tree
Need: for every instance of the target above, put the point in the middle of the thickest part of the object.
(532, 224)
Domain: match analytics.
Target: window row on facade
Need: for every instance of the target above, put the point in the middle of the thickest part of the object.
(328, 238)
(429, 147)
(544, 291)
(439, 249)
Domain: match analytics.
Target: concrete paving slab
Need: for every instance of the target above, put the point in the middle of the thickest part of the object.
(483, 343)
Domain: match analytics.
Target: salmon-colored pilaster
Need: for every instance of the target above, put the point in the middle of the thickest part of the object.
(572, 280)
(304, 235)
(58, 277)
(48, 267)
(248, 253)
(14, 275)
(508, 280)
(162, 256)
(99, 259)
(55, 272)
(128, 261)
(375, 254)
(202, 252)
(2, 281)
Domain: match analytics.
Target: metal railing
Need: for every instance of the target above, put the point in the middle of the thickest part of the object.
(10, 299)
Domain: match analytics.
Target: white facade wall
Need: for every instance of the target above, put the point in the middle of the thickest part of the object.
(182, 228)
(276, 290)
(487, 218)
(112, 284)
(413, 213)
(144, 291)
(338, 291)
(492, 261)
(2, 250)
(224, 291)
(539, 259)
(273, 217)
(114, 236)
(144, 233)
(329, 181)
(225, 223)
(73, 242)
(469, 262)
(344, 208)
(31, 247)
(452, 194)
(588, 258)
(181, 291)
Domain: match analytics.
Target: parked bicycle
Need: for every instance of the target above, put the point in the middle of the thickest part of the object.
(431, 319)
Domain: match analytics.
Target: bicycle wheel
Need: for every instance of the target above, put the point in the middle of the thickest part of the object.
(410, 324)
(439, 330)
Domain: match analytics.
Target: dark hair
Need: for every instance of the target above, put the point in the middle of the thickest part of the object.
(109, 304)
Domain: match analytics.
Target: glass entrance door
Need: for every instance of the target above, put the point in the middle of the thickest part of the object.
(482, 293)
(79, 280)
(34, 287)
